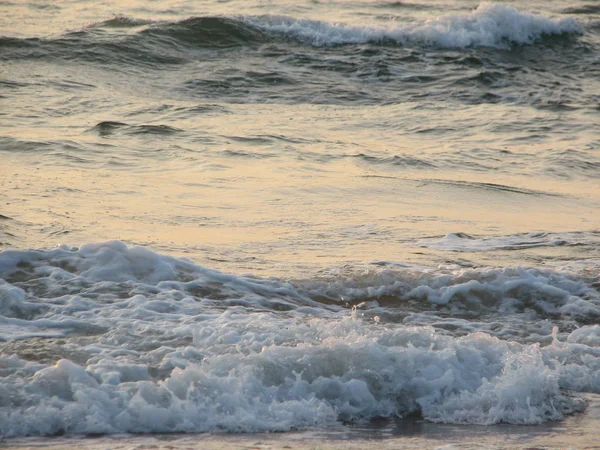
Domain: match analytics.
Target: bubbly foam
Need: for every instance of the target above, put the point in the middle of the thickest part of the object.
(135, 341)
(489, 25)
(461, 242)
(319, 372)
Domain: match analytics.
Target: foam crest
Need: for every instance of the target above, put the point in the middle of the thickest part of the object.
(508, 290)
(115, 262)
(329, 371)
(51, 293)
(129, 340)
(489, 25)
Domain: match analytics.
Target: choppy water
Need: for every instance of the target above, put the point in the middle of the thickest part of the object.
(283, 216)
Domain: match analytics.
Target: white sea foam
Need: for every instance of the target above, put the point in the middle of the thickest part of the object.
(507, 290)
(589, 335)
(489, 25)
(152, 343)
(318, 372)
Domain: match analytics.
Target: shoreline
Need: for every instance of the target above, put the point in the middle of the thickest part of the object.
(578, 431)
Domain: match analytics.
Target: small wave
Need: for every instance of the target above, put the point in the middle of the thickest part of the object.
(584, 9)
(407, 161)
(488, 186)
(7, 42)
(11, 84)
(462, 242)
(399, 5)
(572, 163)
(66, 152)
(208, 32)
(108, 128)
(518, 292)
(9, 144)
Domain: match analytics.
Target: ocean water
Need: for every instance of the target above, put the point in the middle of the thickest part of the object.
(300, 217)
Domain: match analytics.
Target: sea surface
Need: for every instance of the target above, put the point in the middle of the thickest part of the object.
(337, 218)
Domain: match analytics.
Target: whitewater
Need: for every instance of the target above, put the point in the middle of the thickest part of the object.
(330, 224)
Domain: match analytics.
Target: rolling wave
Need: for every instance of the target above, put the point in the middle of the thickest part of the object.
(159, 344)
(490, 25)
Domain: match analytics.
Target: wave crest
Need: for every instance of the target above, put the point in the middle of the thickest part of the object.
(490, 25)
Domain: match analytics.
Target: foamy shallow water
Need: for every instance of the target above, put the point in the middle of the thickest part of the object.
(577, 431)
(127, 340)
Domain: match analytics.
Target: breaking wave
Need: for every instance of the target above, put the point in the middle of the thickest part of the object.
(143, 41)
(106, 338)
(490, 25)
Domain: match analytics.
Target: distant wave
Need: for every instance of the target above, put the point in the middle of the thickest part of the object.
(462, 242)
(490, 25)
(159, 344)
(108, 128)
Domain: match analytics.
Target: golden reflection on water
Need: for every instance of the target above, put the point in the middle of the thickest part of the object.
(300, 193)
(259, 216)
